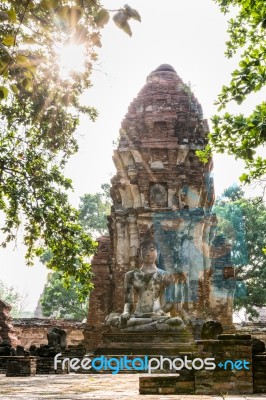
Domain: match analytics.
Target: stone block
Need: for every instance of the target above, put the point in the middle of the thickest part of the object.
(260, 389)
(163, 384)
(21, 366)
(185, 387)
(3, 364)
(149, 383)
(260, 374)
(45, 366)
(148, 390)
(166, 390)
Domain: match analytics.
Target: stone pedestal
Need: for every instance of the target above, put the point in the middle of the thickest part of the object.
(21, 366)
(145, 343)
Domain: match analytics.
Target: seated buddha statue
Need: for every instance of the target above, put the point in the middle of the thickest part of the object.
(147, 303)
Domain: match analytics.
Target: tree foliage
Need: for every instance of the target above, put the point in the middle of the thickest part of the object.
(39, 116)
(243, 221)
(241, 135)
(16, 300)
(66, 302)
(59, 302)
(94, 209)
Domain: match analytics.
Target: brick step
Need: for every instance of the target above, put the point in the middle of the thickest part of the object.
(260, 389)
(260, 374)
(150, 337)
(165, 384)
(260, 357)
(150, 349)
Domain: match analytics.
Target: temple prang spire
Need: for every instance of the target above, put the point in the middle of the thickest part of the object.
(162, 190)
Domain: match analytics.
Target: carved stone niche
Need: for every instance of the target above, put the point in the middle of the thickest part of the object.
(160, 129)
(158, 195)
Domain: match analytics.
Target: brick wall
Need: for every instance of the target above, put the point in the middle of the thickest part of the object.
(34, 330)
(255, 329)
(225, 378)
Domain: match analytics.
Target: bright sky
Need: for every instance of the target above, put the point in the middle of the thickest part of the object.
(188, 34)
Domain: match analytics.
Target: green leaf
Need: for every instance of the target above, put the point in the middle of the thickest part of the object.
(126, 28)
(22, 60)
(32, 68)
(28, 74)
(243, 178)
(132, 13)
(29, 40)
(49, 4)
(102, 18)
(27, 84)
(121, 20)
(5, 59)
(12, 16)
(14, 88)
(95, 38)
(3, 92)
(4, 73)
(9, 41)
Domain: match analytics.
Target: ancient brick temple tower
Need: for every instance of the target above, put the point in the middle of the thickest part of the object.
(161, 189)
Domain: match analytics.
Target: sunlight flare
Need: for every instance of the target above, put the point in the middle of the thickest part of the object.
(71, 59)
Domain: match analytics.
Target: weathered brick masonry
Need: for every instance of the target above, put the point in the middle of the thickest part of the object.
(162, 189)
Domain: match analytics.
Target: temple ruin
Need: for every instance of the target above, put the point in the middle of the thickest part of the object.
(162, 190)
(8, 336)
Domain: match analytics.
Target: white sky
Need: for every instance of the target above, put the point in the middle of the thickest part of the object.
(188, 34)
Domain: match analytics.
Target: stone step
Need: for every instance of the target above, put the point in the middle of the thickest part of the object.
(151, 337)
(259, 388)
(165, 384)
(138, 348)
